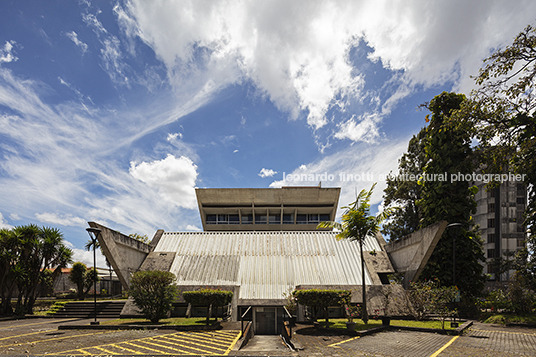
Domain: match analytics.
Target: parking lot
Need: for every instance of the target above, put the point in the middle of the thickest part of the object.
(42, 337)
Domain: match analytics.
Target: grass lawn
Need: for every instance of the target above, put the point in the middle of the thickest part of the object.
(359, 326)
(504, 319)
(174, 321)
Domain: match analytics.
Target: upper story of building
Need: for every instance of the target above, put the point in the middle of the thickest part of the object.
(266, 209)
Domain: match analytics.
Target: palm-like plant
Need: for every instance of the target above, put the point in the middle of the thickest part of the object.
(358, 224)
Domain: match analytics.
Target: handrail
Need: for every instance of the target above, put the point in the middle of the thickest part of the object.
(242, 322)
(287, 327)
(245, 313)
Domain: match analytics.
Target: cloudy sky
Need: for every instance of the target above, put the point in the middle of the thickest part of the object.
(114, 111)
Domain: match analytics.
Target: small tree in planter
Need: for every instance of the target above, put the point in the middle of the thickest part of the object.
(153, 293)
(208, 298)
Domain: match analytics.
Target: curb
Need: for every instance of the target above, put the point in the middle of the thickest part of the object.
(459, 331)
(141, 327)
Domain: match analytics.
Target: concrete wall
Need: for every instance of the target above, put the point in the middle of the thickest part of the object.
(411, 253)
(125, 254)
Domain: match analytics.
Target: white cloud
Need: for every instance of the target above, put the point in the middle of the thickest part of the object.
(6, 53)
(4, 223)
(86, 257)
(14, 217)
(267, 173)
(353, 169)
(73, 36)
(298, 52)
(174, 136)
(365, 129)
(193, 228)
(53, 168)
(64, 220)
(173, 178)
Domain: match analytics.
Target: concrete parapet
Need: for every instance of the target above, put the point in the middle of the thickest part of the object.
(125, 254)
(411, 253)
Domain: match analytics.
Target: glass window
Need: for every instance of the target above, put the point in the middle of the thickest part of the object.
(491, 253)
(491, 269)
(301, 219)
(260, 219)
(313, 218)
(324, 217)
(491, 223)
(233, 219)
(211, 219)
(247, 219)
(491, 238)
(274, 219)
(288, 218)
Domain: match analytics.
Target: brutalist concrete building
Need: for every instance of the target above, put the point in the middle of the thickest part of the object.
(262, 243)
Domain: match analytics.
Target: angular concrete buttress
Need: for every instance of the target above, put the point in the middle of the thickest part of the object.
(411, 253)
(125, 254)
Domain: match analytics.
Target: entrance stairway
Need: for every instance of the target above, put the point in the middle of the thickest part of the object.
(85, 309)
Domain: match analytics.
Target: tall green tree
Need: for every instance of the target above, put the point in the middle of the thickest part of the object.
(502, 108)
(358, 224)
(448, 196)
(403, 192)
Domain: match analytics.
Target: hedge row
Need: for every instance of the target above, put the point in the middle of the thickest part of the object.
(206, 297)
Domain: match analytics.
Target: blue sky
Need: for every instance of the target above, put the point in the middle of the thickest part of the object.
(114, 111)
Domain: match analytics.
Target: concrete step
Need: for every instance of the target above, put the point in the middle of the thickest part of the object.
(87, 309)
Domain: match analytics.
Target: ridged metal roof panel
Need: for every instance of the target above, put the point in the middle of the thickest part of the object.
(264, 264)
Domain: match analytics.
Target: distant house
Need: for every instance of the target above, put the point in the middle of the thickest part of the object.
(63, 285)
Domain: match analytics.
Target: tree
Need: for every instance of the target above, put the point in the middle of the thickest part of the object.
(83, 278)
(153, 293)
(448, 151)
(502, 108)
(78, 277)
(26, 253)
(141, 237)
(403, 192)
(358, 224)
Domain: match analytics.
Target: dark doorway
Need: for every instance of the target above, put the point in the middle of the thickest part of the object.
(265, 319)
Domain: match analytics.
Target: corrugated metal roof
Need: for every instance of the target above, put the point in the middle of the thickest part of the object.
(264, 264)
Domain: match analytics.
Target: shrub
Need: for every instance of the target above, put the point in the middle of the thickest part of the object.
(429, 297)
(322, 299)
(208, 298)
(153, 293)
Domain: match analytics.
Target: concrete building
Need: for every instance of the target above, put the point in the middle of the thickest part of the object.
(262, 243)
(266, 209)
(500, 217)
